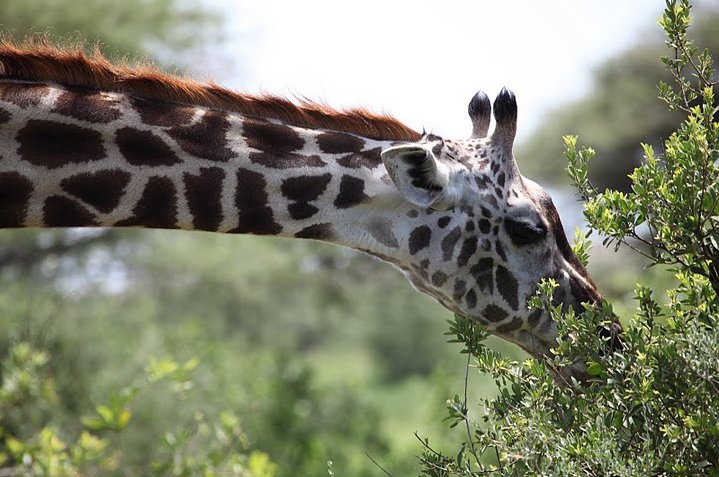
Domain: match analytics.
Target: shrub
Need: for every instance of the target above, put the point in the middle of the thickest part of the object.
(653, 408)
(33, 444)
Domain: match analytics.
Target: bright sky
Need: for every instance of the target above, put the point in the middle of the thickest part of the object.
(423, 60)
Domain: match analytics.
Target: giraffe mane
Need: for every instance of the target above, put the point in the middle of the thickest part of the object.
(41, 61)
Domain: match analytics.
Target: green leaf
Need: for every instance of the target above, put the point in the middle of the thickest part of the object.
(595, 369)
(123, 418)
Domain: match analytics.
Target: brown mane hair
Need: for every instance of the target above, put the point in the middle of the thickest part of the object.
(41, 61)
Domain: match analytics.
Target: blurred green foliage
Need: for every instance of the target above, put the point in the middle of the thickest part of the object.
(35, 445)
(126, 28)
(278, 333)
(620, 111)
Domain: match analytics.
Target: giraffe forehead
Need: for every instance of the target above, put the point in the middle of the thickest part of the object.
(488, 163)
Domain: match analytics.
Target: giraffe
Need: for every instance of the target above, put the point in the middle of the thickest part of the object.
(85, 143)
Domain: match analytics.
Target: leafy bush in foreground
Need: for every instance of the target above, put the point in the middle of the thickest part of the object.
(652, 409)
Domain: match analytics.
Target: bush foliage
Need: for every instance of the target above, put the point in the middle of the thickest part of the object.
(653, 408)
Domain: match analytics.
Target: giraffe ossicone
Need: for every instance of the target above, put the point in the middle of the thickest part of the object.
(84, 143)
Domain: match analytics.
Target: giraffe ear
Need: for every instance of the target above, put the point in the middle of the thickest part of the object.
(417, 174)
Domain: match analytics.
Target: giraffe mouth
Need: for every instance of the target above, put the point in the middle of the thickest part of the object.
(612, 337)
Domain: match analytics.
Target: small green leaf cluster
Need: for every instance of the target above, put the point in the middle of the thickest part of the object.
(652, 407)
(673, 207)
(207, 447)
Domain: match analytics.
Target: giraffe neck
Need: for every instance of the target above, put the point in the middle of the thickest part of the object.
(82, 158)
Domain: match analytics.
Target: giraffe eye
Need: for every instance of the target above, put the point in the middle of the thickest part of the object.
(522, 232)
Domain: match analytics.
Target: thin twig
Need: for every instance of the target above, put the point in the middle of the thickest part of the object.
(377, 464)
(465, 410)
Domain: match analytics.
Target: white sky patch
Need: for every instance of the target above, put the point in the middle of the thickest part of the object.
(423, 60)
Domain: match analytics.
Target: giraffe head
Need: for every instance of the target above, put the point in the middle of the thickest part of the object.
(495, 234)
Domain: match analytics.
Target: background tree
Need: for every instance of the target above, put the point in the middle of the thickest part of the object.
(130, 28)
(617, 114)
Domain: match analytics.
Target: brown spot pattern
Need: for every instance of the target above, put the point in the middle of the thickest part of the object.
(507, 286)
(484, 226)
(513, 325)
(286, 161)
(204, 196)
(160, 113)
(86, 105)
(500, 250)
(534, 318)
(381, 231)
(442, 222)
(493, 313)
(301, 190)
(4, 116)
(102, 190)
(419, 238)
(449, 242)
(302, 210)
(251, 199)
(469, 247)
(483, 182)
(338, 143)
(439, 278)
(422, 272)
(15, 190)
(460, 289)
(60, 211)
(316, 232)
(156, 208)
(22, 94)
(143, 148)
(205, 139)
(490, 200)
(369, 159)
(482, 273)
(305, 188)
(52, 144)
(471, 299)
(275, 139)
(351, 192)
